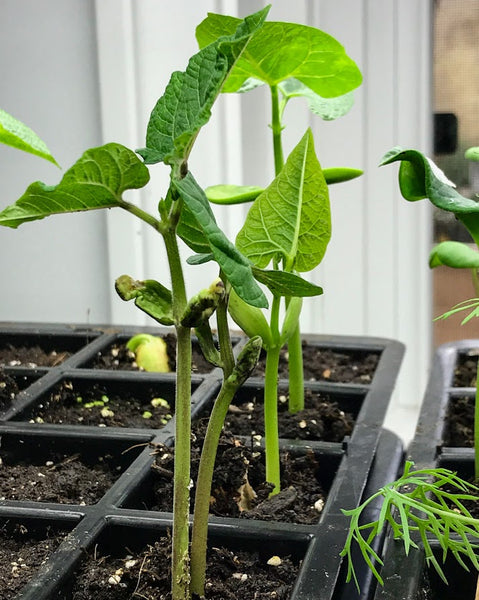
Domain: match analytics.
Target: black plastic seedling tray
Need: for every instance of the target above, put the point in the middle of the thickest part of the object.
(350, 468)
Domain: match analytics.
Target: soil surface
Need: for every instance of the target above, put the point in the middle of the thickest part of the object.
(460, 423)
(322, 419)
(118, 357)
(321, 364)
(94, 405)
(230, 576)
(62, 479)
(8, 390)
(30, 356)
(466, 370)
(239, 486)
(21, 553)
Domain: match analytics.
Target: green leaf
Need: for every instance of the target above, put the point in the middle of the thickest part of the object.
(200, 259)
(420, 178)
(234, 265)
(279, 51)
(472, 153)
(291, 219)
(149, 295)
(97, 180)
(232, 194)
(454, 254)
(340, 174)
(282, 283)
(186, 104)
(326, 108)
(16, 134)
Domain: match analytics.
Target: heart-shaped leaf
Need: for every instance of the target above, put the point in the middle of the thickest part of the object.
(454, 254)
(234, 265)
(291, 219)
(16, 134)
(97, 180)
(186, 104)
(279, 51)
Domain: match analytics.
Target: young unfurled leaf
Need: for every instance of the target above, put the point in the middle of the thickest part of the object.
(454, 254)
(186, 104)
(472, 153)
(149, 295)
(16, 134)
(234, 265)
(232, 194)
(340, 174)
(250, 319)
(279, 51)
(97, 180)
(202, 305)
(291, 220)
(420, 178)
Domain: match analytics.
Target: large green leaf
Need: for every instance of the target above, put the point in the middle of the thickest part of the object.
(234, 265)
(97, 180)
(279, 51)
(454, 254)
(16, 134)
(291, 219)
(186, 104)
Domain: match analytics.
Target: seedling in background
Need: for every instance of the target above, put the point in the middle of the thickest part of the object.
(150, 352)
(288, 225)
(418, 502)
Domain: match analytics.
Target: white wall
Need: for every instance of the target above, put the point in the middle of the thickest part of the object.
(79, 86)
(53, 270)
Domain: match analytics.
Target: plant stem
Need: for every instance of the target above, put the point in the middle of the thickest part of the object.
(226, 348)
(271, 436)
(295, 350)
(277, 128)
(296, 375)
(181, 494)
(199, 537)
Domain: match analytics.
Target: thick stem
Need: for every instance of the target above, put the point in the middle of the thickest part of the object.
(199, 537)
(226, 348)
(475, 281)
(276, 128)
(181, 494)
(295, 351)
(271, 435)
(296, 376)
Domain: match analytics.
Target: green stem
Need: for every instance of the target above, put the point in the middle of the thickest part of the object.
(271, 435)
(226, 348)
(181, 494)
(296, 375)
(143, 215)
(199, 537)
(277, 129)
(295, 350)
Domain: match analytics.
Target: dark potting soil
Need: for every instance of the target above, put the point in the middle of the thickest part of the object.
(239, 486)
(30, 356)
(8, 390)
(117, 357)
(95, 406)
(230, 575)
(459, 432)
(320, 364)
(466, 369)
(322, 419)
(62, 479)
(22, 552)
